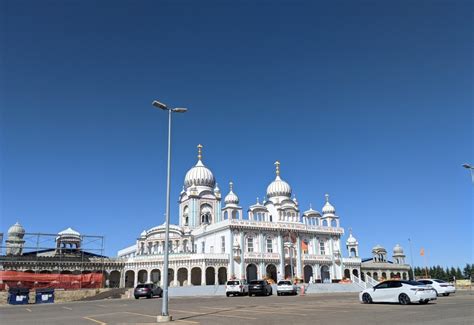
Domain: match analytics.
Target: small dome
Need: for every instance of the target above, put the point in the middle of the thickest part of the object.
(398, 249)
(278, 187)
(328, 208)
(311, 212)
(378, 248)
(143, 234)
(69, 232)
(16, 230)
(351, 240)
(199, 175)
(231, 198)
(217, 189)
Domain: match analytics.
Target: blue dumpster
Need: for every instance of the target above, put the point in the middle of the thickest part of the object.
(18, 296)
(44, 296)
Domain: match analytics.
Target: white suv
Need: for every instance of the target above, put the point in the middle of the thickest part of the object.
(442, 287)
(236, 287)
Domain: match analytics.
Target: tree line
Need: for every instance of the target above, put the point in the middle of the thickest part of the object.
(447, 274)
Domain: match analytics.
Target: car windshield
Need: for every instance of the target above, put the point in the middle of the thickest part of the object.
(142, 286)
(440, 281)
(284, 283)
(256, 282)
(233, 283)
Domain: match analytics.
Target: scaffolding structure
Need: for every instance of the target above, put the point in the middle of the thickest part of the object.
(42, 254)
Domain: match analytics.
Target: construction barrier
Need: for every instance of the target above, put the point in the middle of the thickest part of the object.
(14, 279)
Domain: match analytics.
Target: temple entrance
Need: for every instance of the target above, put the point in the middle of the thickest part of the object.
(155, 276)
(308, 273)
(325, 275)
(347, 273)
(272, 272)
(182, 276)
(210, 276)
(251, 272)
(142, 274)
(288, 274)
(196, 276)
(170, 276)
(114, 279)
(129, 279)
(222, 275)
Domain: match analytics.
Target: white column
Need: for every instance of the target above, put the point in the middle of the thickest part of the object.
(299, 268)
(135, 279)
(203, 274)
(231, 254)
(281, 250)
(175, 279)
(189, 276)
(242, 259)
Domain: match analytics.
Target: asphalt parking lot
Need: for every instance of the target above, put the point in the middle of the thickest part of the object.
(311, 309)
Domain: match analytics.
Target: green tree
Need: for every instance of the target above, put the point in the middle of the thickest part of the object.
(468, 270)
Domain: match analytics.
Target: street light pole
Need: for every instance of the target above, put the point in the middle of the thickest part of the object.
(411, 257)
(165, 317)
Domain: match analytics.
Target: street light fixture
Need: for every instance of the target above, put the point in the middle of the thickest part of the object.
(165, 317)
(471, 169)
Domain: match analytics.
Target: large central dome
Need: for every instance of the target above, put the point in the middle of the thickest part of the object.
(199, 175)
(278, 187)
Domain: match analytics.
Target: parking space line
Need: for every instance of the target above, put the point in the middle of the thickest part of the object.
(94, 320)
(28, 309)
(67, 308)
(103, 306)
(254, 310)
(186, 321)
(217, 314)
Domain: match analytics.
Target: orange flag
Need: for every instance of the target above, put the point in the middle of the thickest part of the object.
(422, 252)
(304, 246)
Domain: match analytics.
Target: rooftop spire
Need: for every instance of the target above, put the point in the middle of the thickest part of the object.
(327, 197)
(277, 165)
(231, 186)
(199, 151)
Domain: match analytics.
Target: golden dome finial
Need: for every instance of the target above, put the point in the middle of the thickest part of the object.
(199, 151)
(277, 165)
(231, 186)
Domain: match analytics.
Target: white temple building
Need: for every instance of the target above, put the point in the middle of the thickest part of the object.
(214, 241)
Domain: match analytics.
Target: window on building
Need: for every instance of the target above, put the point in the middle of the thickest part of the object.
(211, 249)
(223, 244)
(250, 244)
(203, 247)
(269, 245)
(322, 249)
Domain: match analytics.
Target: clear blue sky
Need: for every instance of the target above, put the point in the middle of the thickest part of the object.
(369, 101)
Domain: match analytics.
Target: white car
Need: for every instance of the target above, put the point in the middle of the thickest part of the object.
(236, 288)
(442, 287)
(286, 288)
(403, 292)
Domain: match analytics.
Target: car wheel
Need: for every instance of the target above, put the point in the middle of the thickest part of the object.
(423, 302)
(136, 297)
(366, 298)
(436, 292)
(227, 294)
(148, 296)
(403, 299)
(446, 294)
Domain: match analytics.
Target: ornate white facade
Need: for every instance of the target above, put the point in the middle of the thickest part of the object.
(214, 242)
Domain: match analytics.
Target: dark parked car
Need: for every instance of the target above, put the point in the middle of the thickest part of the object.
(260, 287)
(147, 290)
